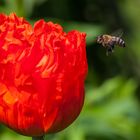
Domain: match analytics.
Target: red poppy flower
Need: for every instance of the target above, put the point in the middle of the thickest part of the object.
(42, 73)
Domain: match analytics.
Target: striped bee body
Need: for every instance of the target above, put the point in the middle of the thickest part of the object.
(109, 42)
(118, 41)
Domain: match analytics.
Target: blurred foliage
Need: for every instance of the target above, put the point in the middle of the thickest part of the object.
(112, 104)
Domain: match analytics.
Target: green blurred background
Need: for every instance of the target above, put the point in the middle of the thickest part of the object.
(112, 102)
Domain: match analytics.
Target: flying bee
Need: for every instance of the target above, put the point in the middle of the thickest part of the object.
(109, 42)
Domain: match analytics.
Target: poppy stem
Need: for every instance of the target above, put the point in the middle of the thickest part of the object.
(38, 138)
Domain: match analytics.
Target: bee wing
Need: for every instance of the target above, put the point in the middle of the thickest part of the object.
(117, 33)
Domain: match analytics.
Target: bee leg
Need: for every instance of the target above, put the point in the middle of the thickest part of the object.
(112, 48)
(107, 53)
(109, 50)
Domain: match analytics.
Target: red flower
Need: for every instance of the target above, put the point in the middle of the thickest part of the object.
(42, 73)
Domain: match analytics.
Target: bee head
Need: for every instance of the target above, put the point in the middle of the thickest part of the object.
(99, 39)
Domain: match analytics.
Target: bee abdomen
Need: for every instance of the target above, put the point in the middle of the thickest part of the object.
(120, 42)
